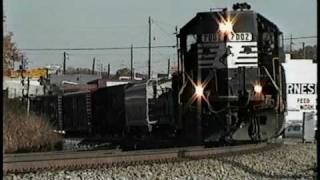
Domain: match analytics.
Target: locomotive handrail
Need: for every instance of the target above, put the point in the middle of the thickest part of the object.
(273, 66)
(182, 88)
(149, 123)
(272, 80)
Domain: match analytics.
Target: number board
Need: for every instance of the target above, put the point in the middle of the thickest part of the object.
(242, 36)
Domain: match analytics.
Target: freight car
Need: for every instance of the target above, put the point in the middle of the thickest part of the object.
(230, 86)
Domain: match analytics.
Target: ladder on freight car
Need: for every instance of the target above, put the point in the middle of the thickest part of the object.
(89, 111)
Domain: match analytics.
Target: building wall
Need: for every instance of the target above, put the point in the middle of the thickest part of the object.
(15, 87)
(301, 79)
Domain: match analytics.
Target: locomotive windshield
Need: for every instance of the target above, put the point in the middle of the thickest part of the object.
(207, 27)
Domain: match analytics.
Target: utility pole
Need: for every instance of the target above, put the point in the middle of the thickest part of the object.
(101, 70)
(168, 67)
(22, 63)
(177, 44)
(131, 53)
(28, 99)
(93, 65)
(12, 61)
(64, 62)
(149, 47)
(317, 106)
(22, 67)
(291, 43)
(303, 50)
(108, 71)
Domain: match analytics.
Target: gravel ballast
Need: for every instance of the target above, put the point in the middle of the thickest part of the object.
(291, 161)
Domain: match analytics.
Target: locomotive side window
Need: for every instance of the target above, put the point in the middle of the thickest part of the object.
(268, 41)
(280, 41)
(191, 41)
(296, 128)
(272, 40)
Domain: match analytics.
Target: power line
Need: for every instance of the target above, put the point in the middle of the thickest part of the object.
(170, 35)
(94, 49)
(303, 37)
(122, 48)
(162, 55)
(164, 23)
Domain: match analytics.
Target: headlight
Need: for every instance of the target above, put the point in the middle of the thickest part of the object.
(257, 88)
(199, 91)
(226, 27)
(226, 23)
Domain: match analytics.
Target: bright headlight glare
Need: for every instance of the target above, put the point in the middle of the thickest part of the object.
(199, 90)
(258, 88)
(226, 27)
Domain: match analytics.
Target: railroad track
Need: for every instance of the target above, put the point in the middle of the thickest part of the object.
(31, 162)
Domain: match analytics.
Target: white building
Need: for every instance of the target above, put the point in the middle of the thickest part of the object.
(301, 79)
(15, 88)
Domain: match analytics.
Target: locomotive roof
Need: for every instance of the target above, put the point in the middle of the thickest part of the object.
(189, 27)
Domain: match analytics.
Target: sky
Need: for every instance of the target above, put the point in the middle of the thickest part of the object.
(120, 23)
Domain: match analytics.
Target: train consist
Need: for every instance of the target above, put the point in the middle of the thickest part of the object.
(230, 86)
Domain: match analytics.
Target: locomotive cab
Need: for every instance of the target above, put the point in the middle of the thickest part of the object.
(231, 82)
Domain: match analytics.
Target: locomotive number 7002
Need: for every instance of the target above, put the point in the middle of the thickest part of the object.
(243, 36)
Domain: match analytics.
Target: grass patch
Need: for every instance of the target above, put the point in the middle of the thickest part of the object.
(22, 133)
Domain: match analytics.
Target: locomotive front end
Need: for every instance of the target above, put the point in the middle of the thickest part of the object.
(216, 54)
(222, 81)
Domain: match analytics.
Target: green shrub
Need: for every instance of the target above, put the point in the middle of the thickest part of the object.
(22, 133)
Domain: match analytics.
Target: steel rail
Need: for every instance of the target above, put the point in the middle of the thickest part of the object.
(31, 162)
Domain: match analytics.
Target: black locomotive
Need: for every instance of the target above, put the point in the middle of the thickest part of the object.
(230, 86)
(231, 82)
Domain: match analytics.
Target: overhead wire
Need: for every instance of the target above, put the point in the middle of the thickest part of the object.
(170, 35)
(126, 47)
(165, 23)
(97, 49)
(303, 37)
